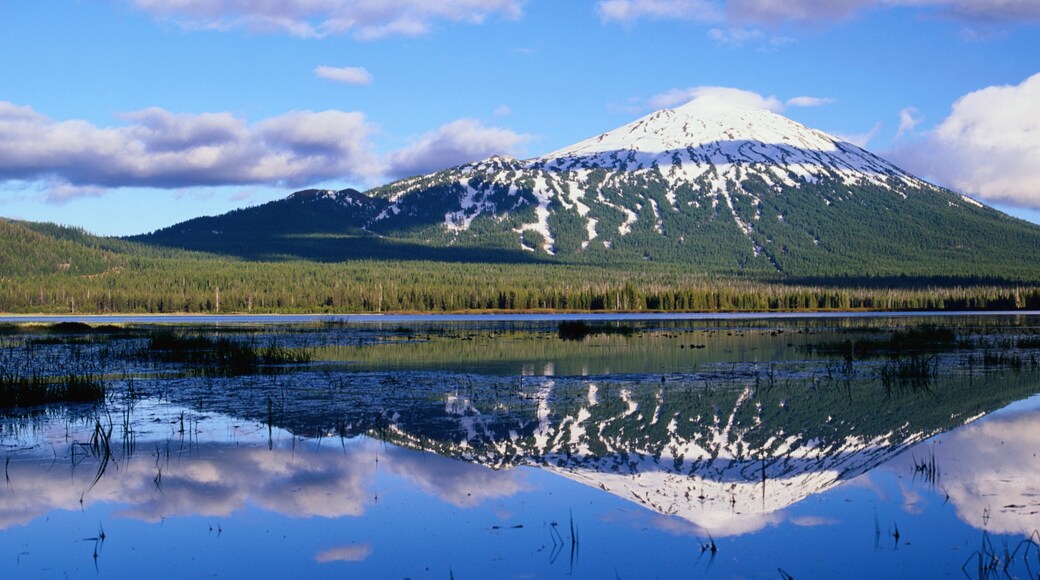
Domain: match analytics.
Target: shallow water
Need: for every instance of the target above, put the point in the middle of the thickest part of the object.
(742, 447)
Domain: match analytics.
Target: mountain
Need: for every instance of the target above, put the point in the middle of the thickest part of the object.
(710, 185)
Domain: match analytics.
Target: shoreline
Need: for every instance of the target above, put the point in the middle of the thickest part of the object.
(503, 316)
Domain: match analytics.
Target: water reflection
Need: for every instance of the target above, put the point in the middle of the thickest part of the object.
(174, 477)
(642, 440)
(989, 469)
(722, 475)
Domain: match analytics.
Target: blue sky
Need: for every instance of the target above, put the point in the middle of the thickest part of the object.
(123, 116)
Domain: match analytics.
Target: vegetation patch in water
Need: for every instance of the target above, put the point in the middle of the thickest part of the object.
(927, 338)
(918, 372)
(219, 355)
(18, 391)
(578, 330)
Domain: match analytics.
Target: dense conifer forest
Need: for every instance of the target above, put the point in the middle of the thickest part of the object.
(56, 270)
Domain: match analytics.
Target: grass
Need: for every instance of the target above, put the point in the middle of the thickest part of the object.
(918, 372)
(926, 469)
(34, 390)
(219, 355)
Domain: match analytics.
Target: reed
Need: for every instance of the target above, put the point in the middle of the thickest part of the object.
(926, 469)
(219, 355)
(17, 391)
(917, 373)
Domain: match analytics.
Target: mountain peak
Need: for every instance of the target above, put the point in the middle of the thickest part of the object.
(733, 137)
(702, 122)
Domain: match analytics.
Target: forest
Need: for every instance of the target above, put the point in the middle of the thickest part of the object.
(54, 270)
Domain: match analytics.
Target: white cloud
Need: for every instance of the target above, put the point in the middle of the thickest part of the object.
(629, 10)
(780, 11)
(988, 147)
(860, 140)
(909, 119)
(350, 75)
(167, 150)
(457, 142)
(735, 36)
(365, 19)
(749, 99)
(809, 101)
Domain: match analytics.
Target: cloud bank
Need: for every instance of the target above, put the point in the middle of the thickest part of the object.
(988, 147)
(160, 149)
(364, 19)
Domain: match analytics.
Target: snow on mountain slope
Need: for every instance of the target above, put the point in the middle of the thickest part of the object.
(707, 155)
(686, 142)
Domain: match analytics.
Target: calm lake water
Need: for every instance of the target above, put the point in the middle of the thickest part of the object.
(421, 447)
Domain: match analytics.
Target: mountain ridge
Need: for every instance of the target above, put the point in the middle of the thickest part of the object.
(717, 187)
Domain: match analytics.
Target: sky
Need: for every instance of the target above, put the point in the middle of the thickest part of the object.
(125, 116)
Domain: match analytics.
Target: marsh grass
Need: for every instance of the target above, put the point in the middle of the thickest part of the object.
(993, 562)
(18, 391)
(219, 355)
(927, 469)
(915, 373)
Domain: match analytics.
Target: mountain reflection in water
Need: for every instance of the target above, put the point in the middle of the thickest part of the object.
(746, 441)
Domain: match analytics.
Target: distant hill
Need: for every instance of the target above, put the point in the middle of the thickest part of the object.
(31, 249)
(708, 186)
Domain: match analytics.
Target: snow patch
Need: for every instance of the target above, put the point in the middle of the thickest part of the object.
(971, 201)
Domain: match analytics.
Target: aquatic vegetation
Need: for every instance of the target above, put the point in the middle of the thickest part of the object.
(926, 338)
(578, 330)
(918, 372)
(218, 355)
(34, 390)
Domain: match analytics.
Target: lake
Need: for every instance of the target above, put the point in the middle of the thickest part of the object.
(895, 445)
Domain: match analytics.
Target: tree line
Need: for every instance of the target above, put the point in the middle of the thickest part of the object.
(208, 285)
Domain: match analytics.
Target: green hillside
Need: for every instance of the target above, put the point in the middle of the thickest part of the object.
(812, 232)
(32, 249)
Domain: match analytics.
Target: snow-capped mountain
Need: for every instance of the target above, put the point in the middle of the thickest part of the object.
(686, 142)
(710, 184)
(707, 154)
